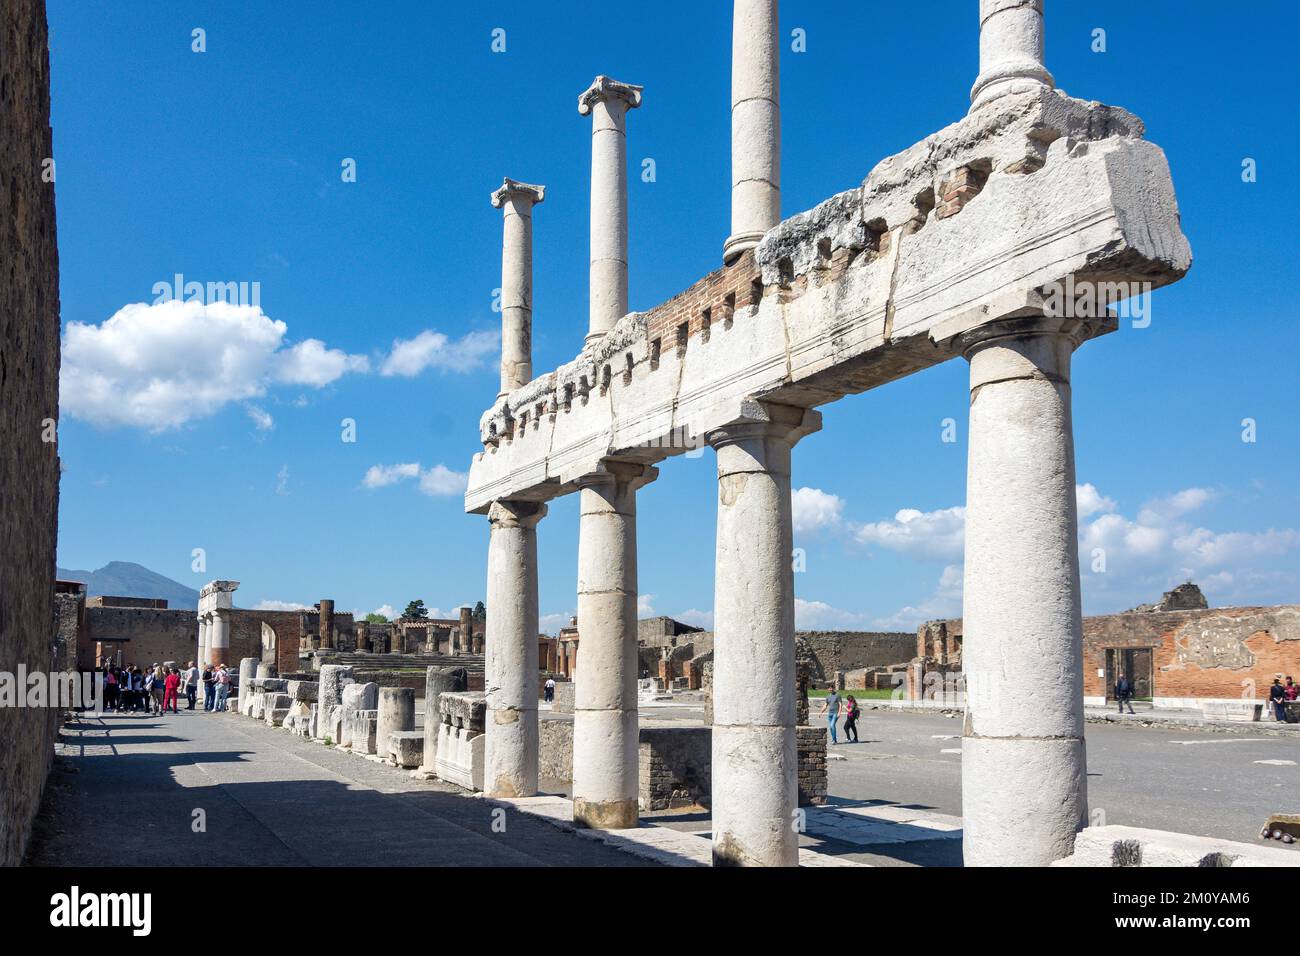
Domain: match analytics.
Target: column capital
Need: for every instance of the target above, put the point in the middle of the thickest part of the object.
(631, 474)
(516, 514)
(605, 88)
(1076, 330)
(757, 419)
(513, 188)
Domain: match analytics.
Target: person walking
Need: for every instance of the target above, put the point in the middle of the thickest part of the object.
(209, 687)
(851, 714)
(159, 689)
(223, 686)
(191, 684)
(1277, 696)
(831, 709)
(171, 684)
(1124, 693)
(549, 690)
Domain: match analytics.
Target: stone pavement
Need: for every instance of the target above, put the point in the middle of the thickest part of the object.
(128, 790)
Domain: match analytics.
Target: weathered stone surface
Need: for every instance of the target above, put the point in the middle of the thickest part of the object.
(356, 697)
(468, 710)
(437, 681)
(333, 677)
(1136, 846)
(396, 713)
(302, 690)
(407, 747)
(361, 730)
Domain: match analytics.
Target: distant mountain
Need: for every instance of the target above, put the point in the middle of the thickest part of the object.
(125, 579)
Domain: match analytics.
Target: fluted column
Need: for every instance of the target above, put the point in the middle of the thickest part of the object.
(516, 200)
(1011, 50)
(605, 701)
(755, 791)
(755, 125)
(607, 101)
(510, 750)
(219, 636)
(1024, 780)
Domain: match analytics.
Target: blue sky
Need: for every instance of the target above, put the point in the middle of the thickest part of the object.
(184, 429)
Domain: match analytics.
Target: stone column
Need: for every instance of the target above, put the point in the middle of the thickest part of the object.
(395, 714)
(755, 793)
(219, 636)
(466, 625)
(363, 635)
(1024, 785)
(203, 640)
(517, 200)
(247, 672)
(510, 750)
(608, 102)
(1011, 50)
(605, 704)
(326, 623)
(755, 125)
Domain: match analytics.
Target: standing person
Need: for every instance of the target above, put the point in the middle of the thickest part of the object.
(137, 688)
(1124, 693)
(110, 688)
(549, 693)
(851, 714)
(223, 686)
(209, 687)
(158, 689)
(831, 708)
(191, 684)
(1277, 696)
(171, 684)
(1290, 689)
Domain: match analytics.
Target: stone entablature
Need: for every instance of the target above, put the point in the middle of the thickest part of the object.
(867, 287)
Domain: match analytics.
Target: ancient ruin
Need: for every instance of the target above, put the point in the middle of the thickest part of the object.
(954, 248)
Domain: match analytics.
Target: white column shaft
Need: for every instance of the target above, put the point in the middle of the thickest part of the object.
(219, 637)
(605, 702)
(517, 294)
(510, 750)
(1024, 785)
(755, 792)
(608, 277)
(755, 125)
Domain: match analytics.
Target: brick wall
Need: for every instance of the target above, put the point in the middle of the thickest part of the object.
(29, 404)
(673, 767)
(705, 308)
(144, 635)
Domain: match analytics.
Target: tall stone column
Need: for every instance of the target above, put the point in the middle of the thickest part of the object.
(219, 636)
(607, 101)
(466, 626)
(755, 125)
(1024, 782)
(203, 640)
(516, 200)
(326, 623)
(605, 703)
(510, 750)
(755, 791)
(1011, 50)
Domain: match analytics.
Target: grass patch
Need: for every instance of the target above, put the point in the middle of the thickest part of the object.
(859, 694)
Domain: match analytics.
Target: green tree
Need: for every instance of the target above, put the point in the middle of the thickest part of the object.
(415, 611)
(373, 618)
(479, 613)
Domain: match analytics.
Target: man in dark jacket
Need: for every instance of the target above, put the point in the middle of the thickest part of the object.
(1277, 696)
(1124, 693)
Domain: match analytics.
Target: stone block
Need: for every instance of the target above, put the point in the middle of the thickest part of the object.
(361, 729)
(407, 748)
(467, 710)
(302, 690)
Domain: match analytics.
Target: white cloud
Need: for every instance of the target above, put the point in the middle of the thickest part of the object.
(436, 481)
(820, 616)
(550, 624)
(814, 509)
(159, 366)
(1091, 501)
(280, 606)
(924, 534)
(380, 476)
(387, 610)
(282, 480)
(695, 618)
(441, 480)
(645, 605)
(430, 349)
(260, 416)
(943, 602)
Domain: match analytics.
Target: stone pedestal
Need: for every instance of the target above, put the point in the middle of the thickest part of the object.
(438, 681)
(357, 697)
(754, 752)
(333, 678)
(396, 714)
(510, 751)
(1023, 765)
(605, 702)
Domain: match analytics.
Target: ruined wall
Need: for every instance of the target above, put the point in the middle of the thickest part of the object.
(29, 400)
(1200, 653)
(246, 637)
(144, 635)
(852, 650)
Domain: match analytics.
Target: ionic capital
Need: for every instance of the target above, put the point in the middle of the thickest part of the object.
(604, 88)
(628, 475)
(512, 189)
(766, 420)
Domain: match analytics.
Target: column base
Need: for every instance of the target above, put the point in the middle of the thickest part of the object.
(605, 814)
(738, 244)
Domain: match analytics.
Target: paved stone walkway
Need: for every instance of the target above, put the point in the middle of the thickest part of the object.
(126, 789)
